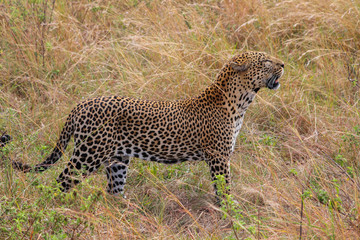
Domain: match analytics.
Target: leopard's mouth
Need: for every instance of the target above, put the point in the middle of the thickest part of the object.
(273, 82)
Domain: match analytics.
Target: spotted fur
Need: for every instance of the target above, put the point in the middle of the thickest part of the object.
(4, 139)
(109, 130)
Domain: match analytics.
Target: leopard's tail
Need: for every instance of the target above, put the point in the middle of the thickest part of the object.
(56, 154)
(4, 139)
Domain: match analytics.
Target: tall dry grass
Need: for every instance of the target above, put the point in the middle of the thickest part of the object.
(296, 166)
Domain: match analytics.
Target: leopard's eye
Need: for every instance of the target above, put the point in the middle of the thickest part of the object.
(267, 63)
(266, 60)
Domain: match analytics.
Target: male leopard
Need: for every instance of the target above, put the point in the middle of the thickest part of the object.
(109, 130)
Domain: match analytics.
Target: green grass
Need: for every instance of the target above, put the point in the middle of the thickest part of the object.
(296, 155)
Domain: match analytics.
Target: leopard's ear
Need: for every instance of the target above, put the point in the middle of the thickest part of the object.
(240, 67)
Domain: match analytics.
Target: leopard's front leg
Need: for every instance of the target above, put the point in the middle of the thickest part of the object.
(220, 175)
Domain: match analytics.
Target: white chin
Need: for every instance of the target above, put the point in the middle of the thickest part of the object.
(277, 87)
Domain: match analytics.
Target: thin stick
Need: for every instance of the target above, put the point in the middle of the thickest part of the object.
(258, 221)
(233, 227)
(301, 213)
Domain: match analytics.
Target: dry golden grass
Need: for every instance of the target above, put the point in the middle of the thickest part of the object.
(300, 142)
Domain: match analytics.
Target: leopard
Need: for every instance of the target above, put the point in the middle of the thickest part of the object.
(109, 131)
(4, 139)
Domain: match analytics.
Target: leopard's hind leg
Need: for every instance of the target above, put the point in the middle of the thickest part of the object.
(82, 163)
(116, 171)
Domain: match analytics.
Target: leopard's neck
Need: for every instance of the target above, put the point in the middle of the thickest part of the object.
(232, 96)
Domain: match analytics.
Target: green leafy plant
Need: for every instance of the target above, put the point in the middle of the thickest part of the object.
(231, 209)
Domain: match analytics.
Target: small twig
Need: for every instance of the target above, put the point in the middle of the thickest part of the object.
(27, 230)
(52, 11)
(42, 28)
(233, 227)
(74, 230)
(301, 212)
(258, 222)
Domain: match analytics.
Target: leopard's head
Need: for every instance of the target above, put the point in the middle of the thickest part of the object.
(257, 70)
